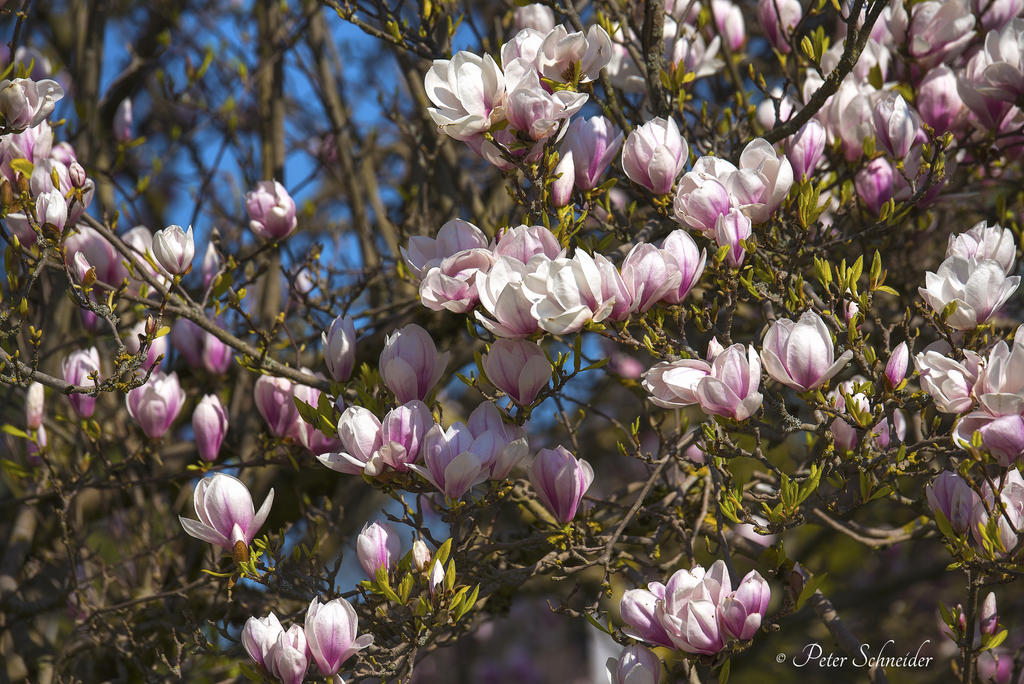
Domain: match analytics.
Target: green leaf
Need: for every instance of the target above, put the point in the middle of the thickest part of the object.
(17, 432)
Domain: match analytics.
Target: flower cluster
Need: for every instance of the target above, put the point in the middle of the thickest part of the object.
(330, 636)
(524, 283)
(697, 611)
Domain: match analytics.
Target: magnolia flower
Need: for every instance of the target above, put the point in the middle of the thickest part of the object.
(155, 405)
(979, 288)
(700, 199)
(982, 242)
(560, 480)
(566, 293)
(1003, 76)
(330, 631)
(896, 125)
(468, 92)
(499, 445)
(77, 367)
(525, 242)
(339, 347)
(731, 229)
(800, 355)
(651, 275)
(451, 284)
(410, 363)
(518, 368)
(1009, 512)
(680, 248)
(424, 253)
(174, 249)
(359, 431)
(271, 210)
(288, 657)
(562, 53)
(938, 101)
(210, 425)
(226, 514)
(939, 30)
(778, 19)
(449, 462)
(636, 665)
(730, 389)
(401, 434)
(258, 635)
(947, 381)
(638, 608)
(34, 398)
(774, 174)
(378, 547)
(531, 109)
(951, 495)
(673, 384)
(689, 611)
(273, 398)
(593, 144)
(24, 103)
(534, 16)
(506, 298)
(654, 154)
(804, 149)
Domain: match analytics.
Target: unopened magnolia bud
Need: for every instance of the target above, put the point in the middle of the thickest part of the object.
(989, 619)
(896, 368)
(34, 406)
(420, 555)
(76, 173)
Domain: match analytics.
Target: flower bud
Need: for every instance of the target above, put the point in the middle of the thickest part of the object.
(681, 249)
(339, 348)
(536, 16)
(210, 425)
(211, 264)
(560, 480)
(133, 343)
(896, 367)
(76, 367)
(34, 406)
(155, 405)
(258, 635)
(52, 209)
(636, 665)
(436, 577)
(287, 658)
(593, 144)
(122, 126)
(951, 495)
(778, 19)
(420, 555)
(731, 229)
(938, 100)
(378, 546)
(896, 125)
(728, 19)
(989, 617)
(174, 249)
(273, 397)
(518, 368)
(805, 147)
(410, 364)
(875, 183)
(654, 154)
(271, 210)
(565, 177)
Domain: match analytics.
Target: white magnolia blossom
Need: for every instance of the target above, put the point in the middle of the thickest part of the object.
(468, 92)
(979, 288)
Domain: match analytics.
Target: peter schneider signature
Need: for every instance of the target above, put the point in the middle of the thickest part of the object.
(813, 655)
